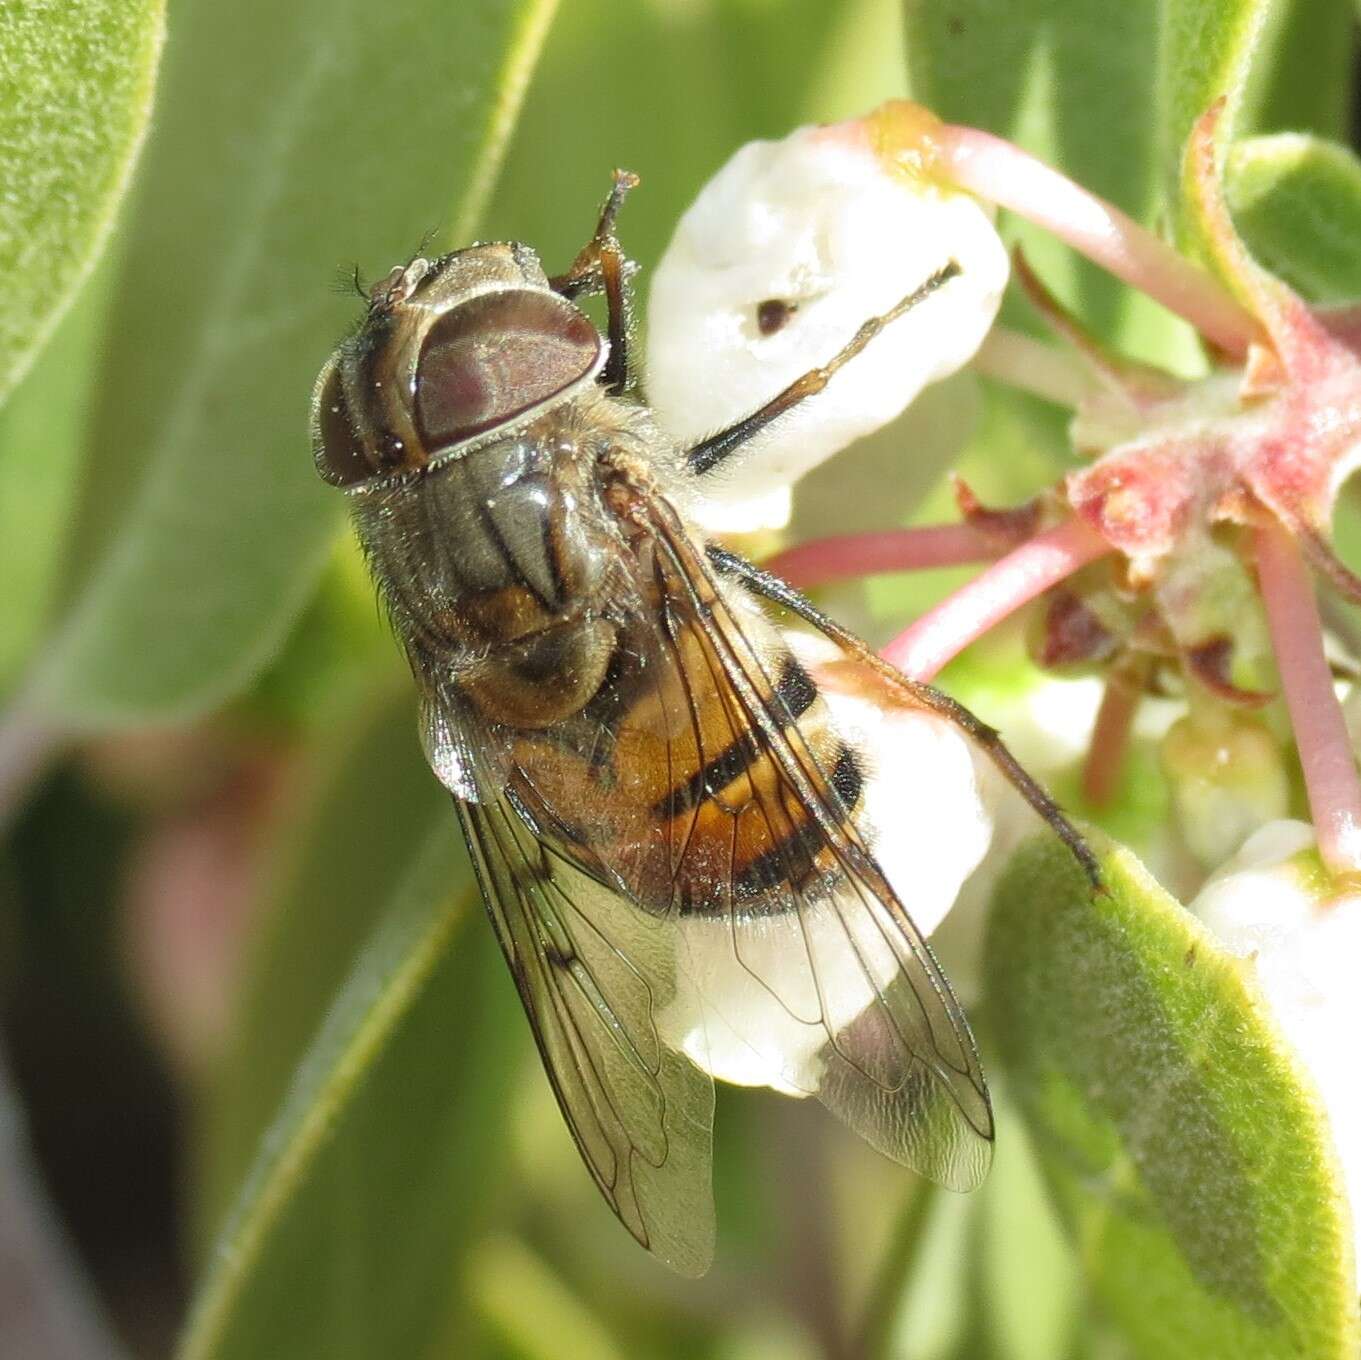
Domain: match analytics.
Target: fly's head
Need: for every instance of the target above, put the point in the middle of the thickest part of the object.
(452, 354)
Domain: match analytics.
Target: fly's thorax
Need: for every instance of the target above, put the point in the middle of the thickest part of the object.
(497, 567)
(450, 417)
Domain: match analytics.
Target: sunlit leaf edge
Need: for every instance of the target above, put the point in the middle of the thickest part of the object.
(424, 923)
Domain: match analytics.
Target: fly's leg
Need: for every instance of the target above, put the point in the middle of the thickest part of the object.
(602, 267)
(781, 593)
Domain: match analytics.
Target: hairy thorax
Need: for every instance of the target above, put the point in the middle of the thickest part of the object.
(499, 566)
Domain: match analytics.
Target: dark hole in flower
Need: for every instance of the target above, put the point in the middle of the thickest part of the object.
(773, 314)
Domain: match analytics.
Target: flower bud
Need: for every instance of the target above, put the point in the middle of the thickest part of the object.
(786, 252)
(1227, 779)
(1271, 904)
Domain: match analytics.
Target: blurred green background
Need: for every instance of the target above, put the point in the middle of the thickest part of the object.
(223, 855)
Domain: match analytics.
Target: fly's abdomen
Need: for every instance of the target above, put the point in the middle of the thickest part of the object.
(752, 835)
(666, 780)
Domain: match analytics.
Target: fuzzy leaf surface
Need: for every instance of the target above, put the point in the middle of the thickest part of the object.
(1183, 1145)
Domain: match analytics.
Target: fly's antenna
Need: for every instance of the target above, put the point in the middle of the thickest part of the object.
(347, 281)
(428, 237)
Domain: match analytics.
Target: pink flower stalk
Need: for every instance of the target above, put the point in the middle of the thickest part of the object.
(1315, 714)
(1111, 734)
(943, 632)
(1014, 179)
(851, 556)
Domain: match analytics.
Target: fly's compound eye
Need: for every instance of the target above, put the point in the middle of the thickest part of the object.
(340, 454)
(496, 357)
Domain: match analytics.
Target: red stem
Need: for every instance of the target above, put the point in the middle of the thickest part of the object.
(849, 556)
(996, 170)
(1110, 735)
(943, 632)
(1330, 776)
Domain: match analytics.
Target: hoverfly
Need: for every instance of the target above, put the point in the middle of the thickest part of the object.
(664, 818)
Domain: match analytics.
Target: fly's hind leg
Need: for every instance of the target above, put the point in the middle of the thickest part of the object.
(602, 267)
(781, 593)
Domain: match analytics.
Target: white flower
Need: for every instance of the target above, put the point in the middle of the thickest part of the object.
(784, 254)
(1264, 905)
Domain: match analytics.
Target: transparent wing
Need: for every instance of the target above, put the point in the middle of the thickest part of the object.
(843, 963)
(593, 973)
(707, 793)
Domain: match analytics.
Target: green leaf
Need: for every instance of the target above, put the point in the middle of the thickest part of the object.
(1301, 79)
(328, 888)
(534, 1311)
(1186, 1151)
(44, 435)
(1109, 93)
(340, 649)
(1028, 1279)
(1207, 53)
(1296, 200)
(934, 1315)
(710, 77)
(376, 1174)
(900, 1260)
(291, 138)
(76, 83)
(989, 1274)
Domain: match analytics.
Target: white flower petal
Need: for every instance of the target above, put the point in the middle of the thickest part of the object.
(816, 221)
(1260, 906)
